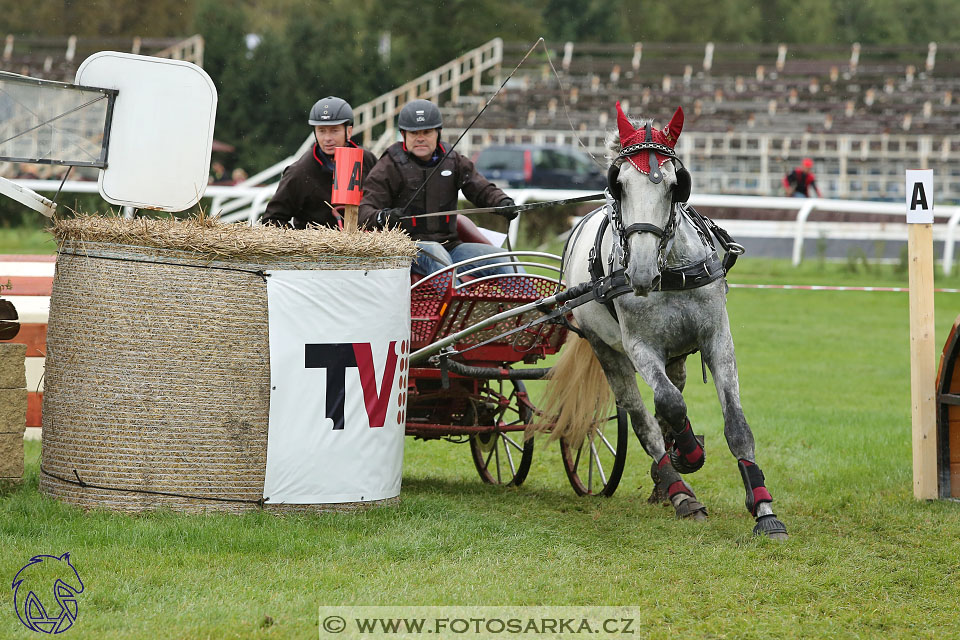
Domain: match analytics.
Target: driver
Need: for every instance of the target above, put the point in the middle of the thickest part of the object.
(305, 188)
(404, 167)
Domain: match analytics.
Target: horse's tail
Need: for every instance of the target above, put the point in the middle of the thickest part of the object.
(577, 394)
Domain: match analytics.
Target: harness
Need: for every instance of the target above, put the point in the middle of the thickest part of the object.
(608, 281)
(675, 278)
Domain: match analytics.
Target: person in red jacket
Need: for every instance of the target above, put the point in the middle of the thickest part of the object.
(306, 186)
(798, 182)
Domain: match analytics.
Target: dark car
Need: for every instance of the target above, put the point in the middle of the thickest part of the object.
(540, 166)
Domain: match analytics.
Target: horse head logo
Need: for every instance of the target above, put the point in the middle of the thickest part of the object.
(51, 580)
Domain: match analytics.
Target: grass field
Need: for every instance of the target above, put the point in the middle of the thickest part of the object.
(825, 386)
(27, 240)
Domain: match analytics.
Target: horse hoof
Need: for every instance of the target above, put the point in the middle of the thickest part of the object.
(697, 516)
(659, 493)
(679, 462)
(658, 497)
(769, 526)
(690, 509)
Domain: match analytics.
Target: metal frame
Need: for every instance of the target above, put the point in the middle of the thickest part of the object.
(455, 270)
(109, 94)
(506, 263)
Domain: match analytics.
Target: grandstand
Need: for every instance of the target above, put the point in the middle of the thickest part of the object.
(54, 58)
(864, 113)
(752, 111)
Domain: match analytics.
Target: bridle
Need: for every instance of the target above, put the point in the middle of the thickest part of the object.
(681, 193)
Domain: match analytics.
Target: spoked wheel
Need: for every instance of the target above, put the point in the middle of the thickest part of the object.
(502, 456)
(596, 467)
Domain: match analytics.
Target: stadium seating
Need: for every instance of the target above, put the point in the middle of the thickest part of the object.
(752, 111)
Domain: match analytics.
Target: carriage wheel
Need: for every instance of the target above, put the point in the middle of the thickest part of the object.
(503, 457)
(596, 467)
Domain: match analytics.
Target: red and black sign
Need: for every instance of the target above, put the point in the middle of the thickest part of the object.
(347, 175)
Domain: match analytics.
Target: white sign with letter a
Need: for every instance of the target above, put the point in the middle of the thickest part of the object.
(919, 196)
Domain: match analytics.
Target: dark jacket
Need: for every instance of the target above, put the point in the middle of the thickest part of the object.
(800, 181)
(397, 176)
(305, 188)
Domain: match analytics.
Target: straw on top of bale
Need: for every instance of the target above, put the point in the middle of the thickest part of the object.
(208, 236)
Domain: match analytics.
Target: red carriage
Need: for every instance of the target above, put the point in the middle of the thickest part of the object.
(469, 333)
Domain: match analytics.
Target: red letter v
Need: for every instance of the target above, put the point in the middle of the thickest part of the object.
(375, 403)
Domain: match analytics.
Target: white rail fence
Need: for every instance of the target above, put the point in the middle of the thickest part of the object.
(859, 167)
(947, 218)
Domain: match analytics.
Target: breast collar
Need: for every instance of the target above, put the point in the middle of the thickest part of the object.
(672, 278)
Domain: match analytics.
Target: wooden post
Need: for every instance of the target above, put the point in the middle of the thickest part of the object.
(350, 216)
(923, 365)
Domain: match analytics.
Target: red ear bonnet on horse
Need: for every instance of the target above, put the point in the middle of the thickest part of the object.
(672, 131)
(627, 132)
(630, 135)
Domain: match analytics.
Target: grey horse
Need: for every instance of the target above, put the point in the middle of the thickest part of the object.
(646, 230)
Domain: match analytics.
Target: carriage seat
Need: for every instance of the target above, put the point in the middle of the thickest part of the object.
(468, 231)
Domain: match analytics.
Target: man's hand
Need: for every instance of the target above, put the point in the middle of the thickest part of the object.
(509, 215)
(389, 218)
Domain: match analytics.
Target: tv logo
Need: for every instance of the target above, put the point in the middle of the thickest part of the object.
(336, 358)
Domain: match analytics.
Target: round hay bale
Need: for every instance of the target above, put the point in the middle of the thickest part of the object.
(157, 382)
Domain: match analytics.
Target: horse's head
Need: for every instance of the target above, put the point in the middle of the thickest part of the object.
(645, 180)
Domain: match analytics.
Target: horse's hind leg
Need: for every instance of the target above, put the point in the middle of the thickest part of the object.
(668, 484)
(720, 357)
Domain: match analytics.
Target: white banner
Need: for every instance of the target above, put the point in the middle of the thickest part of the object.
(339, 346)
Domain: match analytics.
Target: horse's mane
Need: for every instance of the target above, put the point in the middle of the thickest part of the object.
(612, 141)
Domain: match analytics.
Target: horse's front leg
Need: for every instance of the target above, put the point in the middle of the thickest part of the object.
(686, 449)
(671, 408)
(719, 356)
(667, 381)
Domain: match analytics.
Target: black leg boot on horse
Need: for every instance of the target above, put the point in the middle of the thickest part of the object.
(685, 447)
(671, 486)
(759, 500)
(686, 453)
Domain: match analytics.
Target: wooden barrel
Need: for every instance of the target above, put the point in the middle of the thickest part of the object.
(948, 416)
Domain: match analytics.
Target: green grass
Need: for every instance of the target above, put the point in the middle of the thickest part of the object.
(826, 387)
(29, 240)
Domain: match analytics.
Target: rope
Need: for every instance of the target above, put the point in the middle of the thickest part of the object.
(80, 483)
(260, 273)
(818, 287)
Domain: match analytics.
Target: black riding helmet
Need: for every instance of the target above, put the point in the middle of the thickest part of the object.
(331, 110)
(418, 115)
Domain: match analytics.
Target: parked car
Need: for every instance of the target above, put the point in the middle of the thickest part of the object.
(540, 166)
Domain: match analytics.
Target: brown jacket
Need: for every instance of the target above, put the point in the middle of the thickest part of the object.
(398, 175)
(305, 189)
